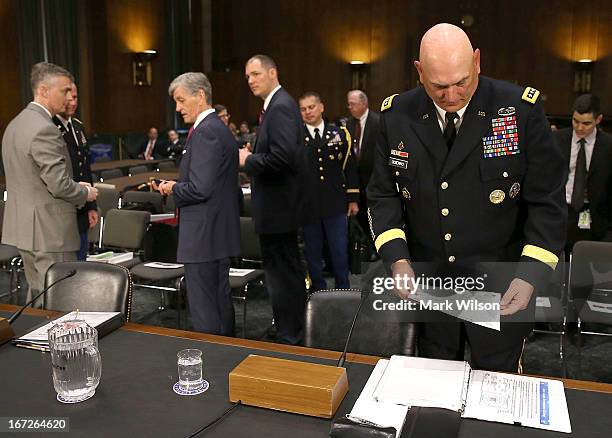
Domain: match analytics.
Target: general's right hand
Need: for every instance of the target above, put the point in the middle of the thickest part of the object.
(403, 276)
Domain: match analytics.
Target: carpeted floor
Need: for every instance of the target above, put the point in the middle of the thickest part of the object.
(541, 355)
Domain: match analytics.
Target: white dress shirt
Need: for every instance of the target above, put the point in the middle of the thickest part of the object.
(202, 116)
(269, 98)
(588, 150)
(442, 116)
(311, 129)
(65, 123)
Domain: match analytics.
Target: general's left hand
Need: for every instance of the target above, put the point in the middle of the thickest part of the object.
(242, 156)
(92, 216)
(516, 297)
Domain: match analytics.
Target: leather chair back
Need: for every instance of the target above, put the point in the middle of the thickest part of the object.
(96, 287)
(249, 240)
(330, 313)
(125, 229)
(154, 198)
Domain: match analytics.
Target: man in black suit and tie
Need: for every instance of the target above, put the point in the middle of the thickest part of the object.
(151, 147)
(276, 168)
(205, 194)
(588, 157)
(363, 127)
(74, 135)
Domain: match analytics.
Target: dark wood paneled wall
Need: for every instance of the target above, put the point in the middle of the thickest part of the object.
(528, 42)
(9, 61)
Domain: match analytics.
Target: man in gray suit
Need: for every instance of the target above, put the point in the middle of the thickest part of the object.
(42, 197)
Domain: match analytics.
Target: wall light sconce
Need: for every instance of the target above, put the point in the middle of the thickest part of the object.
(583, 72)
(359, 75)
(142, 73)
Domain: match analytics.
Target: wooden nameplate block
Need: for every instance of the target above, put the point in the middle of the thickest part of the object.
(6, 331)
(287, 385)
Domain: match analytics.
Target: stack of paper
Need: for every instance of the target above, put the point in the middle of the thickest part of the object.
(416, 381)
(111, 257)
(370, 412)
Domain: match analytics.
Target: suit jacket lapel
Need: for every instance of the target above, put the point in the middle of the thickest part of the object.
(476, 122)
(428, 129)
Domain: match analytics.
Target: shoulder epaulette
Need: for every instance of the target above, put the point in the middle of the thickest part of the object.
(386, 104)
(530, 95)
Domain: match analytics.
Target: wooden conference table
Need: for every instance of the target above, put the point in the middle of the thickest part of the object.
(135, 396)
(124, 164)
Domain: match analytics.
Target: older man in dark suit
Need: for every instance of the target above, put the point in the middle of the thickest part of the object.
(205, 194)
(276, 168)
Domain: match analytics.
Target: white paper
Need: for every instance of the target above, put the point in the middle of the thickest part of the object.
(416, 381)
(162, 265)
(508, 398)
(234, 272)
(94, 319)
(161, 217)
(542, 302)
(370, 412)
(111, 257)
(599, 307)
(246, 190)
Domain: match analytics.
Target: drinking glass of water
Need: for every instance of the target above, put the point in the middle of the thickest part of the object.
(190, 369)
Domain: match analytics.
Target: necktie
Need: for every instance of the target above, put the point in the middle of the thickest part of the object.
(189, 133)
(71, 132)
(580, 178)
(149, 151)
(450, 131)
(317, 138)
(261, 116)
(357, 139)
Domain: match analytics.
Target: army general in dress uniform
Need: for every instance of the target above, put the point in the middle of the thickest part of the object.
(332, 193)
(467, 172)
(74, 135)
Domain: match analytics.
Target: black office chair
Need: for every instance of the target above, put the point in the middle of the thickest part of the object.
(167, 166)
(124, 230)
(10, 260)
(329, 315)
(149, 201)
(160, 244)
(552, 303)
(250, 252)
(134, 170)
(591, 275)
(96, 287)
(110, 174)
(107, 199)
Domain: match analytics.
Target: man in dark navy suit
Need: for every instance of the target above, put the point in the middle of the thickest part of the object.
(74, 135)
(276, 168)
(205, 194)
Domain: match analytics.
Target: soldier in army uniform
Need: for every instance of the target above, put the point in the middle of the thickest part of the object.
(332, 192)
(466, 172)
(74, 135)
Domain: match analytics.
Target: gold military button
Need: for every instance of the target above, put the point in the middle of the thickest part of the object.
(451, 259)
(319, 150)
(505, 174)
(448, 236)
(336, 147)
(331, 157)
(445, 212)
(405, 193)
(322, 177)
(497, 196)
(320, 168)
(444, 185)
(396, 173)
(320, 159)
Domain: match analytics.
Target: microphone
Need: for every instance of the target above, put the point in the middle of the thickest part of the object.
(364, 296)
(15, 315)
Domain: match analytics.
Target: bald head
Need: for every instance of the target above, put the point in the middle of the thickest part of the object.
(448, 66)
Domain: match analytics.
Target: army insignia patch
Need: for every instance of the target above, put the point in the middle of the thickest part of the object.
(514, 190)
(406, 193)
(394, 162)
(400, 153)
(425, 116)
(507, 111)
(400, 146)
(482, 114)
(386, 104)
(530, 95)
(504, 140)
(497, 196)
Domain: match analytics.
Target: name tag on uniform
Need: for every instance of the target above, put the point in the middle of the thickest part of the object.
(402, 164)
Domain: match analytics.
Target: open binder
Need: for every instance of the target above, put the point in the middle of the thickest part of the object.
(38, 339)
(452, 385)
